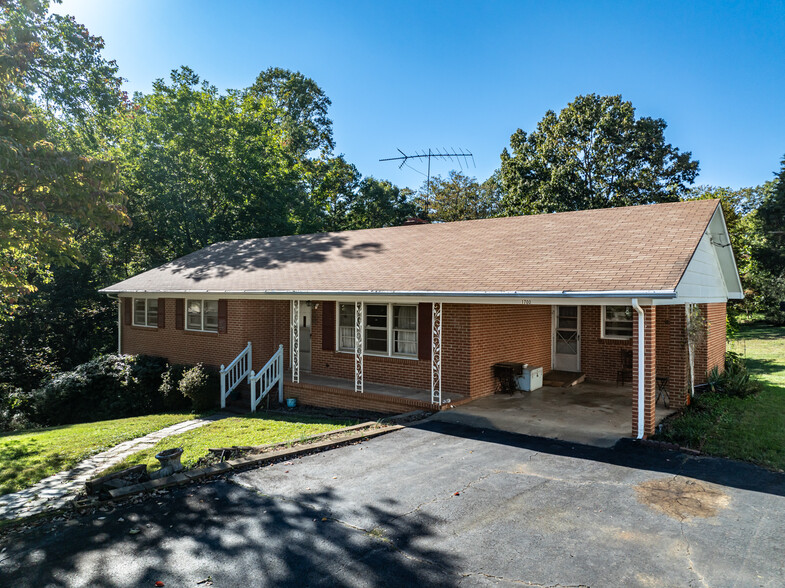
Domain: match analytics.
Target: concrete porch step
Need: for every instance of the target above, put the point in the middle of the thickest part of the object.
(562, 379)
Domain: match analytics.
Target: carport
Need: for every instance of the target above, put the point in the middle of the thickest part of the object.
(588, 413)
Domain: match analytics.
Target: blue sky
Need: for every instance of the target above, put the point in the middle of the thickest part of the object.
(414, 75)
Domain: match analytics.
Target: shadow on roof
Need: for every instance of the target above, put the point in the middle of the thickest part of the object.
(223, 259)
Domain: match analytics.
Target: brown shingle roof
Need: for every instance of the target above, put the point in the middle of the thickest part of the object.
(637, 248)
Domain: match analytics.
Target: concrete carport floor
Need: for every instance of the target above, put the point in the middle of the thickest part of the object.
(592, 414)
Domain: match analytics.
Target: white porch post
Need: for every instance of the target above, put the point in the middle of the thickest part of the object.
(359, 331)
(436, 353)
(295, 324)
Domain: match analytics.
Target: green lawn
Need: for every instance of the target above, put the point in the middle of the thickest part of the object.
(27, 457)
(258, 429)
(752, 429)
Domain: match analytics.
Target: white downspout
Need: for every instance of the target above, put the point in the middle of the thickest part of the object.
(119, 323)
(641, 367)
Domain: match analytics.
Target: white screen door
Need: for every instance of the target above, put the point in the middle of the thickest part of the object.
(305, 337)
(567, 338)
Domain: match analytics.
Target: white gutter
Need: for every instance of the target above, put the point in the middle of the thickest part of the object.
(421, 293)
(641, 367)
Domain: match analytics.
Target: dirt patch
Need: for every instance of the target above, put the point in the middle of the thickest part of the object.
(681, 498)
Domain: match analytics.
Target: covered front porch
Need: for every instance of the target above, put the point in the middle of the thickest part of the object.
(332, 392)
(626, 350)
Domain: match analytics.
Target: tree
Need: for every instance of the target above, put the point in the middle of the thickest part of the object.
(51, 73)
(772, 218)
(378, 203)
(201, 167)
(332, 187)
(302, 106)
(458, 197)
(593, 154)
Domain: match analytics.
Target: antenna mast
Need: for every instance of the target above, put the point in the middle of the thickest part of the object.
(461, 156)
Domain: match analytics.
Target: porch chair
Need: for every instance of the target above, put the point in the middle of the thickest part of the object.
(662, 391)
(625, 373)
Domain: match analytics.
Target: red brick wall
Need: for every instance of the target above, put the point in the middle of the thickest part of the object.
(600, 358)
(650, 370)
(262, 322)
(313, 395)
(672, 357)
(410, 373)
(519, 333)
(474, 338)
(711, 351)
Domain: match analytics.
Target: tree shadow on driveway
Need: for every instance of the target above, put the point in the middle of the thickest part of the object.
(629, 453)
(233, 535)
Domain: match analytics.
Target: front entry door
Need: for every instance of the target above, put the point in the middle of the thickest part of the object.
(567, 338)
(305, 337)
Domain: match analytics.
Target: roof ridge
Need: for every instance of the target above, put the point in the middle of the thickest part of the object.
(586, 211)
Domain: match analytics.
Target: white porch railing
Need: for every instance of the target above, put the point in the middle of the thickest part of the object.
(235, 372)
(270, 375)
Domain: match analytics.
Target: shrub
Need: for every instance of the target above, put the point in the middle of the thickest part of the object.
(109, 386)
(735, 380)
(197, 385)
(171, 396)
(15, 408)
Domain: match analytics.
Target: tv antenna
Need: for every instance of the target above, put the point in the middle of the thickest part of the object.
(461, 157)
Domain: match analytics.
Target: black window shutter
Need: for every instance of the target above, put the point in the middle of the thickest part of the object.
(328, 326)
(179, 314)
(161, 313)
(424, 330)
(223, 323)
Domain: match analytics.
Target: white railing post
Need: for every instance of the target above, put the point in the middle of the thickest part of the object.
(236, 372)
(280, 374)
(252, 379)
(267, 377)
(223, 387)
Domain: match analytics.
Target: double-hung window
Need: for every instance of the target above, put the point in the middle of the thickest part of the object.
(617, 322)
(404, 330)
(376, 325)
(202, 315)
(146, 312)
(390, 329)
(346, 327)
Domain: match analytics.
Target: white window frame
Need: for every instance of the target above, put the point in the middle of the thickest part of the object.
(390, 330)
(338, 327)
(146, 323)
(602, 324)
(201, 302)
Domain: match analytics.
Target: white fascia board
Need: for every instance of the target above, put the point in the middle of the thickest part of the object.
(540, 298)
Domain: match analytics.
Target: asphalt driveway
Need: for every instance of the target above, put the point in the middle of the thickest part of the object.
(438, 504)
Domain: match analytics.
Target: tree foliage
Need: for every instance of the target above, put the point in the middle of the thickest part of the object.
(459, 197)
(51, 70)
(772, 219)
(593, 154)
(302, 109)
(200, 167)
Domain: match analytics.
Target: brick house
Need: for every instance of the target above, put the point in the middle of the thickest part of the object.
(406, 317)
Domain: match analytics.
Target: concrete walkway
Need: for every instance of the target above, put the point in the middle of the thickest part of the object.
(55, 491)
